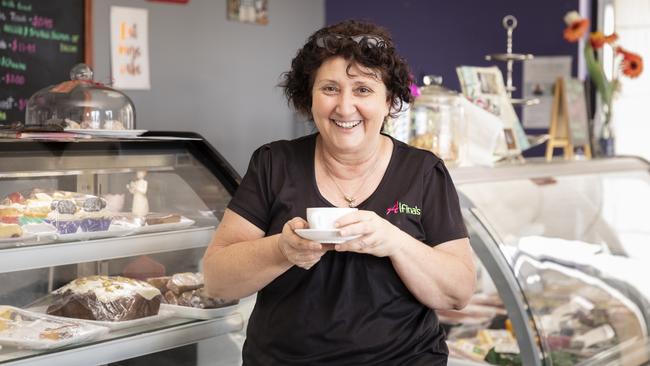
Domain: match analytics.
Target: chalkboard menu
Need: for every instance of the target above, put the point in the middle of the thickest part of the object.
(40, 41)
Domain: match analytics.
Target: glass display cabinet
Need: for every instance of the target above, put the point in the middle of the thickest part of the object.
(561, 251)
(145, 208)
(562, 255)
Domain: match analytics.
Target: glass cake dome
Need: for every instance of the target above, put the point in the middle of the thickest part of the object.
(80, 103)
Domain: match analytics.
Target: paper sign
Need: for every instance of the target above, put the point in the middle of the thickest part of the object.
(129, 48)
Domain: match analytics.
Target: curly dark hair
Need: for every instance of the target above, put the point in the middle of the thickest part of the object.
(349, 39)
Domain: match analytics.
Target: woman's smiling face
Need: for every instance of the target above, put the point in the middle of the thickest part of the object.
(349, 104)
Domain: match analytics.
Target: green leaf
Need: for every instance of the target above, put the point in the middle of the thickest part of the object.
(597, 74)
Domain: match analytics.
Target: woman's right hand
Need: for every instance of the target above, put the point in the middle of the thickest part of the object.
(301, 252)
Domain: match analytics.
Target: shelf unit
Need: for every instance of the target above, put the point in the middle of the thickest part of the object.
(186, 176)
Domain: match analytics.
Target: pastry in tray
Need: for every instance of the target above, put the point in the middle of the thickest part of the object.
(93, 215)
(14, 319)
(25, 329)
(63, 216)
(10, 231)
(149, 219)
(106, 298)
(196, 299)
(157, 219)
(36, 208)
(41, 205)
(72, 214)
(11, 208)
(186, 289)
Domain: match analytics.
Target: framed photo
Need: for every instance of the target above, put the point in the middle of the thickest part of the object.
(511, 142)
(484, 86)
(488, 82)
(248, 11)
(539, 76)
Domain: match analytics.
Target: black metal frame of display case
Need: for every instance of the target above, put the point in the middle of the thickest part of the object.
(194, 143)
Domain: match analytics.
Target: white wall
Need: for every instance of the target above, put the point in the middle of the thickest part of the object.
(632, 107)
(214, 76)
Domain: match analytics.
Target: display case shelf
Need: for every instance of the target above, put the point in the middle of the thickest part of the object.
(123, 345)
(56, 254)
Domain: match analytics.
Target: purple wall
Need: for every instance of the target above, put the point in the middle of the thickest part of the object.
(435, 36)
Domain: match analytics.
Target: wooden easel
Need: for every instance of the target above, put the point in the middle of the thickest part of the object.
(559, 132)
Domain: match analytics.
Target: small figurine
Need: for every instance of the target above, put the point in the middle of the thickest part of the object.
(138, 188)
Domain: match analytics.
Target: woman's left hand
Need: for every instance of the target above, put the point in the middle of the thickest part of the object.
(378, 236)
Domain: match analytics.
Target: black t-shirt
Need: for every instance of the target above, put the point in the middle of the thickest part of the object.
(349, 308)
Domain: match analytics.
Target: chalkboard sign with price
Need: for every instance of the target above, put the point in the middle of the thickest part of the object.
(40, 41)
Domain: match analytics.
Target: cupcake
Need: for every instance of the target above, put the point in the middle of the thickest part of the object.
(94, 216)
(63, 217)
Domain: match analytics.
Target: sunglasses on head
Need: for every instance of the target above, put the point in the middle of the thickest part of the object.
(331, 41)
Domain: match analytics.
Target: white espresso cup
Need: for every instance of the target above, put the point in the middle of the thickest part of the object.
(323, 218)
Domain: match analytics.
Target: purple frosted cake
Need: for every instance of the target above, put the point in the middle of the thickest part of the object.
(94, 216)
(63, 217)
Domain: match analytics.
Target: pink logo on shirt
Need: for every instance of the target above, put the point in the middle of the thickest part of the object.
(401, 207)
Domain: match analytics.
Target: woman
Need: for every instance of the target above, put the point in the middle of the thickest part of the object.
(369, 300)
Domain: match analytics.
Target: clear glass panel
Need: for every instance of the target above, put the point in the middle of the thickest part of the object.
(578, 245)
(142, 210)
(475, 330)
(482, 332)
(111, 191)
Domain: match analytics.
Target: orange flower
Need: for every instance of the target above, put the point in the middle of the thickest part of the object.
(611, 38)
(598, 39)
(632, 64)
(576, 30)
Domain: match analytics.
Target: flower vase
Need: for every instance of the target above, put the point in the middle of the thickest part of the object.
(606, 140)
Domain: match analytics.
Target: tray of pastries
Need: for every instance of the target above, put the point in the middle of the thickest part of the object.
(30, 330)
(42, 215)
(185, 296)
(153, 222)
(114, 302)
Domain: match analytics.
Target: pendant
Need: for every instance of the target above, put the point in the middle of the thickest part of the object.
(350, 200)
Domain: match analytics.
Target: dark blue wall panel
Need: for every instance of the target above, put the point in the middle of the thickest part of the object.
(435, 36)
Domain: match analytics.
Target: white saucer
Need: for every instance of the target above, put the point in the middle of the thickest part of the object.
(330, 236)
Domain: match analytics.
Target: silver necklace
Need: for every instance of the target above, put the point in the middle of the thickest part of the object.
(350, 199)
